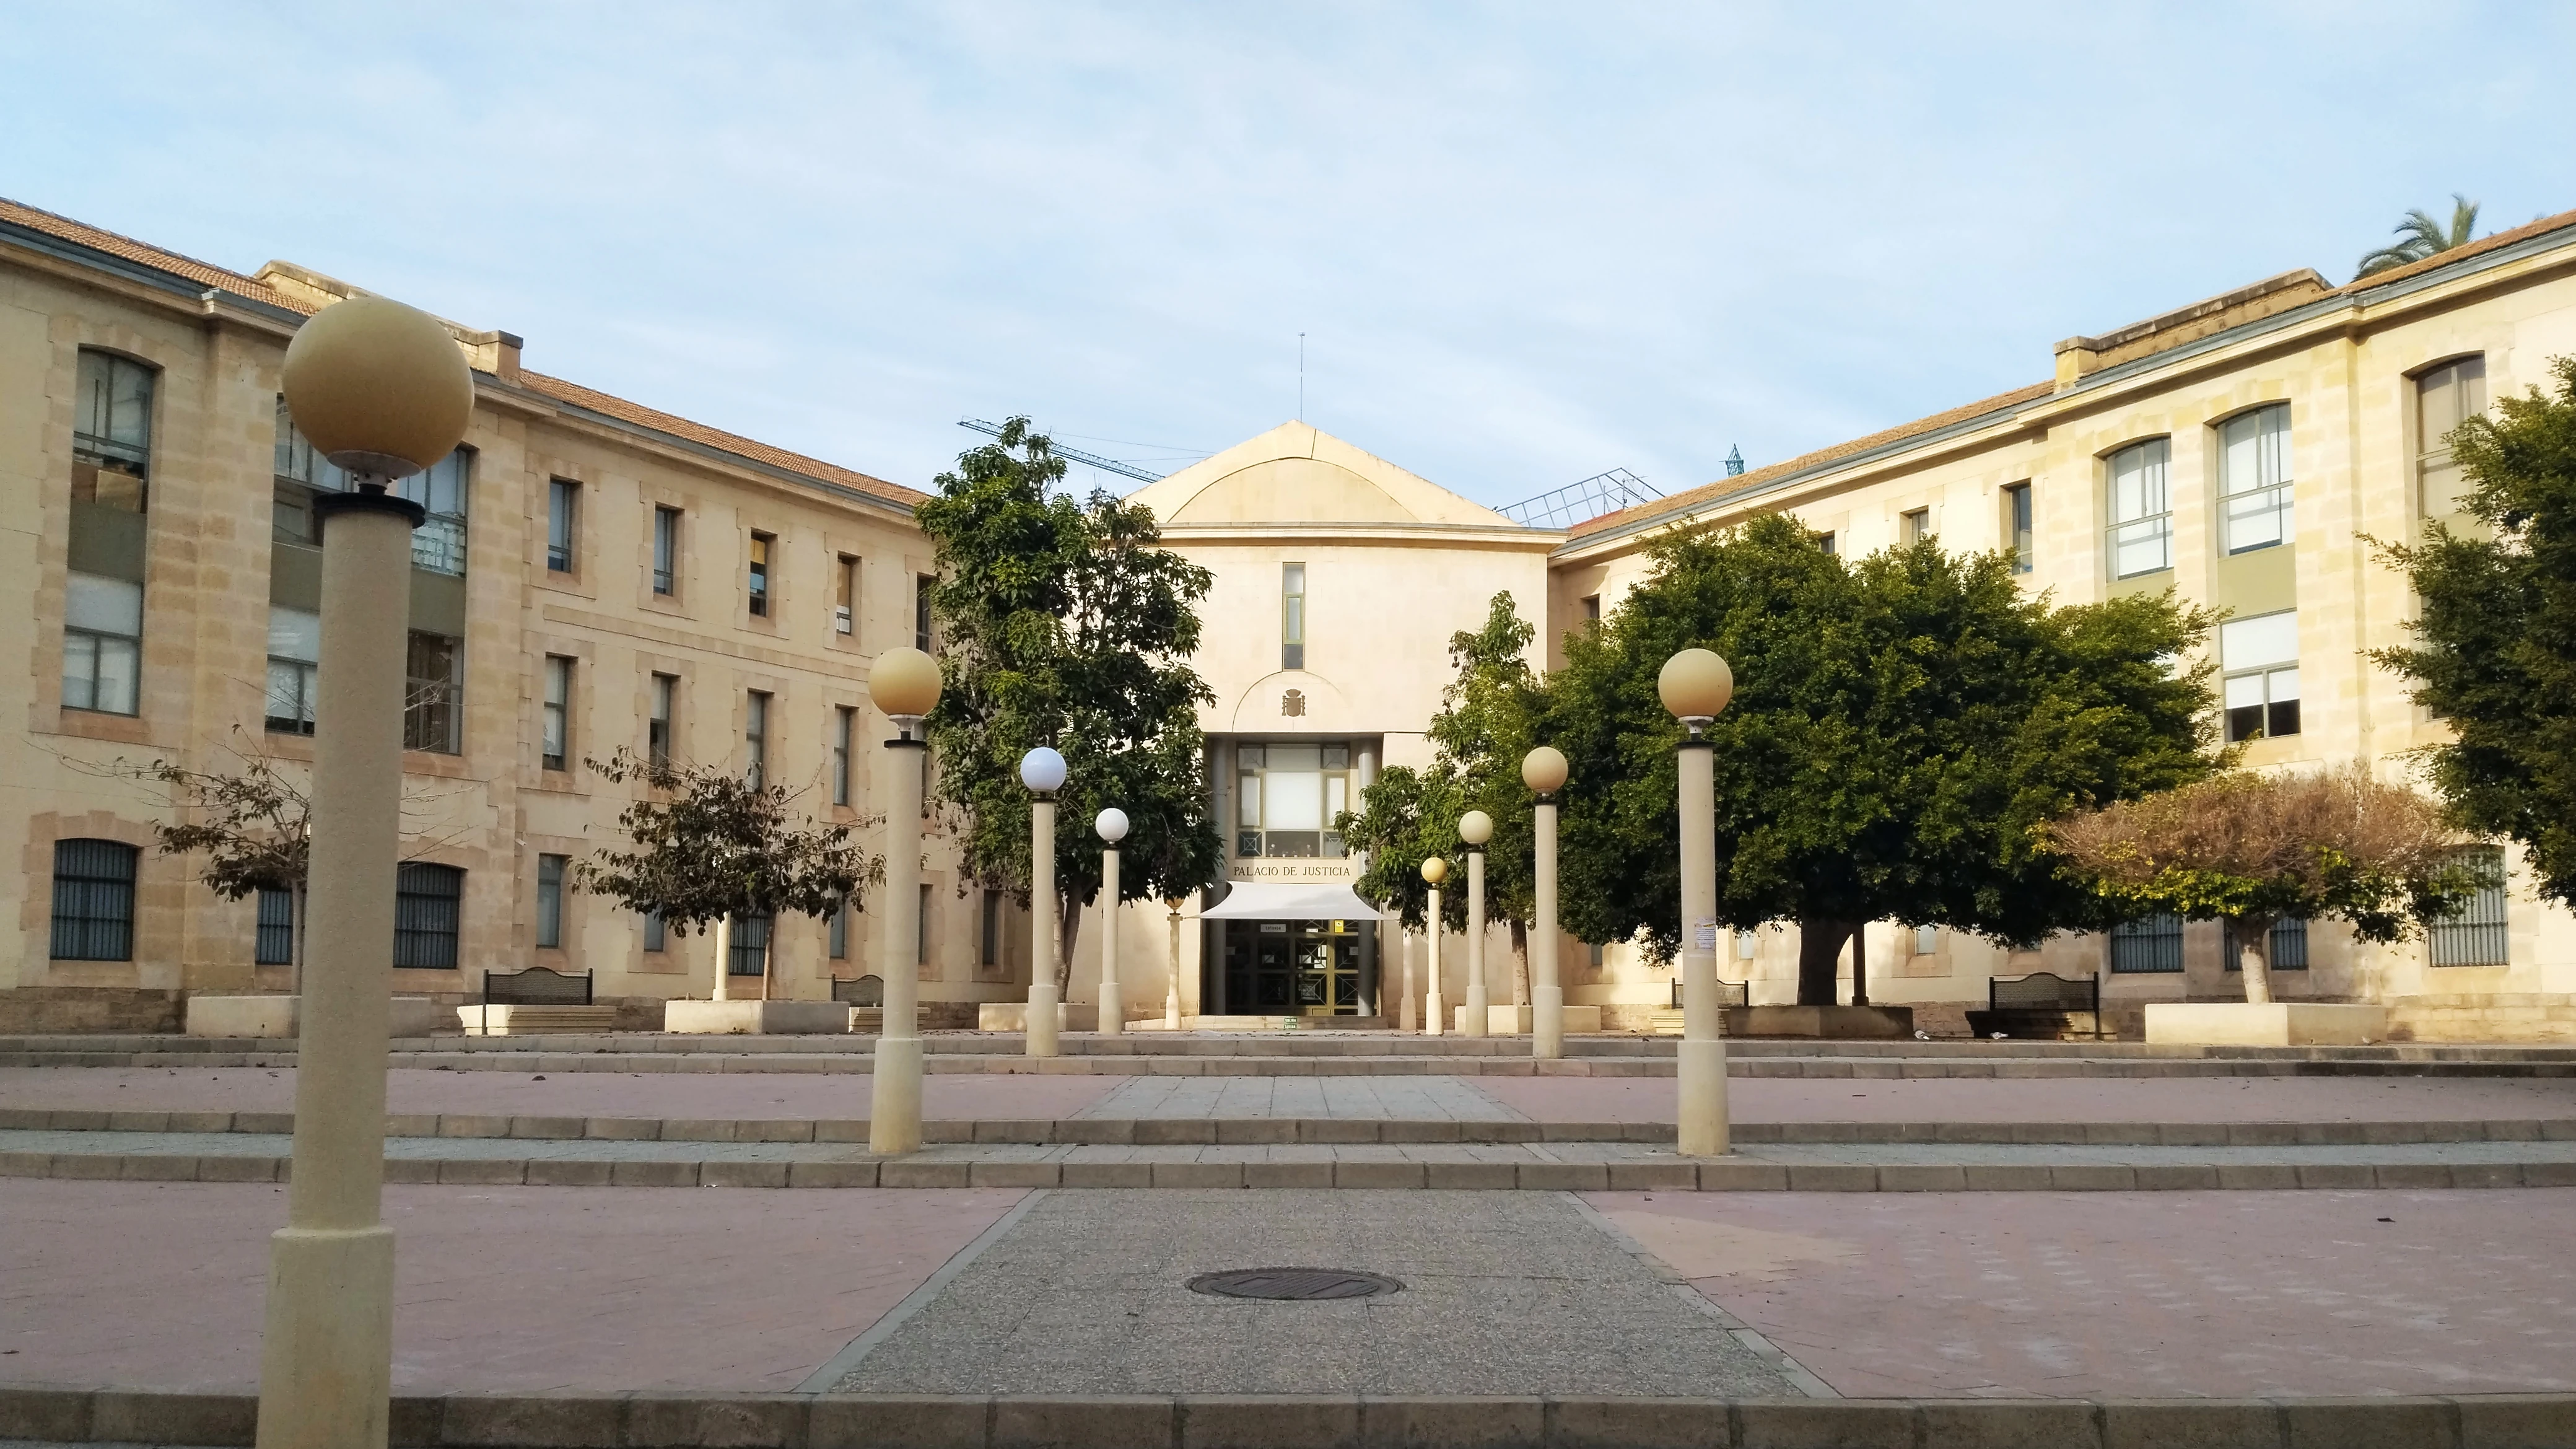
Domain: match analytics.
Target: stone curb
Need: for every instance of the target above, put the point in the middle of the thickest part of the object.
(666, 1420)
(1675, 1175)
(1253, 1131)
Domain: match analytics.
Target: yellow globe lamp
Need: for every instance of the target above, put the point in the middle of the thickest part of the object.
(1435, 870)
(378, 388)
(1695, 685)
(1544, 770)
(904, 683)
(1475, 827)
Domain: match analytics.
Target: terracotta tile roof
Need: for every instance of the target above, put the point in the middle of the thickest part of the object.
(1709, 493)
(2460, 253)
(555, 387)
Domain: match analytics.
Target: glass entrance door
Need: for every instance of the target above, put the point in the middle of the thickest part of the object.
(1328, 969)
(1299, 968)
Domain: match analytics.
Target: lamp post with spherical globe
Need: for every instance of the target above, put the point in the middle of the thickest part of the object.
(1042, 771)
(381, 390)
(1475, 828)
(1544, 770)
(1434, 871)
(1695, 685)
(1112, 825)
(905, 684)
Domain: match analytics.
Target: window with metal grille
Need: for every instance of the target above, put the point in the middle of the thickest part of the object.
(666, 550)
(563, 519)
(557, 729)
(2141, 509)
(275, 945)
(2475, 935)
(427, 899)
(94, 900)
(2289, 947)
(2150, 944)
(749, 953)
(550, 894)
(434, 694)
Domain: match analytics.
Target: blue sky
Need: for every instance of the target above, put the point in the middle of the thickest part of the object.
(1526, 242)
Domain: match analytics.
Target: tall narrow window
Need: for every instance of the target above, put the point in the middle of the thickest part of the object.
(2445, 397)
(759, 600)
(427, 901)
(988, 951)
(2476, 934)
(94, 900)
(294, 646)
(666, 550)
(837, 931)
(550, 875)
(103, 605)
(2017, 529)
(102, 643)
(563, 518)
(558, 721)
(755, 738)
(844, 726)
(1916, 525)
(275, 943)
(845, 595)
(657, 936)
(1592, 608)
(2254, 479)
(1292, 616)
(657, 724)
(2141, 509)
(921, 937)
(2259, 659)
(921, 611)
(434, 697)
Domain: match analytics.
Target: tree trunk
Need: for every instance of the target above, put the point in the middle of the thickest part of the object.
(1520, 964)
(2254, 954)
(768, 957)
(1820, 949)
(1068, 927)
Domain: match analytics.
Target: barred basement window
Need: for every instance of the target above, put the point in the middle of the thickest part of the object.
(275, 945)
(94, 900)
(2151, 944)
(2289, 946)
(427, 899)
(749, 954)
(2475, 936)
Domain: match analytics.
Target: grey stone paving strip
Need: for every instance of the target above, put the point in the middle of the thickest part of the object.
(839, 1366)
(1799, 1376)
(1429, 1098)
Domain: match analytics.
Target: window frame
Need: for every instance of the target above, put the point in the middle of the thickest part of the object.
(1914, 525)
(428, 920)
(988, 949)
(2020, 526)
(922, 633)
(554, 735)
(666, 551)
(760, 568)
(2278, 714)
(845, 731)
(755, 737)
(2151, 526)
(2153, 945)
(1293, 585)
(273, 940)
(563, 526)
(433, 709)
(661, 716)
(550, 900)
(305, 674)
(2480, 933)
(845, 594)
(1253, 797)
(2282, 507)
(97, 644)
(95, 885)
(2432, 454)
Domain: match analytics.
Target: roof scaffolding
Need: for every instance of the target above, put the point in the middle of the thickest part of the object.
(1575, 502)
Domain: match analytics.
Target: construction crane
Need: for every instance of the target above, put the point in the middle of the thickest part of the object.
(1094, 460)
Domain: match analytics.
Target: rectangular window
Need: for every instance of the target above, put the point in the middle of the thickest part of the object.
(558, 722)
(657, 936)
(755, 738)
(838, 928)
(921, 612)
(2017, 526)
(1746, 944)
(1916, 525)
(1825, 541)
(1292, 616)
(563, 517)
(749, 955)
(988, 951)
(438, 544)
(434, 694)
(845, 721)
(657, 724)
(550, 874)
(2445, 397)
(666, 550)
(1927, 940)
(294, 649)
(102, 644)
(426, 911)
(921, 930)
(1288, 798)
(2141, 509)
(845, 595)
(759, 600)
(2288, 948)
(2476, 935)
(275, 943)
(2254, 479)
(112, 431)
(1592, 608)
(2259, 658)
(94, 900)
(2151, 944)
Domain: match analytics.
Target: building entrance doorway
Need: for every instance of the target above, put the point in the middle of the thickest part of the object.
(1293, 968)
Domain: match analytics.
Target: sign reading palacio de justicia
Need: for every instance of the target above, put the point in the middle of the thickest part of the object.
(1291, 870)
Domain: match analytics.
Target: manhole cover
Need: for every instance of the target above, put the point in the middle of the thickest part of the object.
(1300, 1284)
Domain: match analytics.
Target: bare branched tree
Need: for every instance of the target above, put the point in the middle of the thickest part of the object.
(2254, 849)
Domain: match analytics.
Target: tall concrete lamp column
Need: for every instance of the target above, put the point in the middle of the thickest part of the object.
(1475, 828)
(905, 684)
(1434, 871)
(1695, 686)
(1042, 771)
(382, 391)
(1112, 825)
(1543, 770)
(1172, 992)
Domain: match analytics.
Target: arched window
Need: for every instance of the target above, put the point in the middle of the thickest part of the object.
(426, 900)
(2254, 478)
(94, 900)
(2141, 509)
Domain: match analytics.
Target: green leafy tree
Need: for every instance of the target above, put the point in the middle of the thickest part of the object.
(2420, 236)
(2254, 849)
(1062, 623)
(1483, 728)
(1901, 727)
(708, 846)
(2495, 646)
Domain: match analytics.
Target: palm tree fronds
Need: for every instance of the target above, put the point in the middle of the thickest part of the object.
(2421, 236)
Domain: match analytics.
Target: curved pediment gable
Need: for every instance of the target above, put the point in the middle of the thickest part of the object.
(1294, 474)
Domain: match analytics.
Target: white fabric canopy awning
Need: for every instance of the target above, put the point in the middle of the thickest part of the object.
(1291, 901)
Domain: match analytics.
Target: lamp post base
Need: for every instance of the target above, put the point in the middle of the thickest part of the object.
(1113, 1010)
(326, 1359)
(1478, 1006)
(894, 1097)
(1045, 1015)
(1702, 1073)
(1547, 1022)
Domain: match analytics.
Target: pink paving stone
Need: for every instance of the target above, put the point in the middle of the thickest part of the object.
(2051, 1099)
(2144, 1294)
(946, 1096)
(504, 1288)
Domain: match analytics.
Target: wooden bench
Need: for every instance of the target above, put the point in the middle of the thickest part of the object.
(536, 1001)
(2042, 1006)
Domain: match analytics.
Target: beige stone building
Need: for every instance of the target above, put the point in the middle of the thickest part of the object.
(598, 574)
